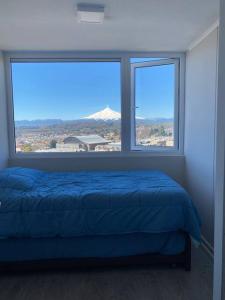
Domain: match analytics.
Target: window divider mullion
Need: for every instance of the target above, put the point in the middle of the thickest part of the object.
(125, 104)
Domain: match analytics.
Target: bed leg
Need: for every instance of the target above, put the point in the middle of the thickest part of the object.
(187, 263)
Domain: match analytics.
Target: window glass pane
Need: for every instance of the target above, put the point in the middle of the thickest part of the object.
(67, 106)
(154, 105)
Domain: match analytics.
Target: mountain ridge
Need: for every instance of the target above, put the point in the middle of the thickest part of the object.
(43, 123)
(105, 115)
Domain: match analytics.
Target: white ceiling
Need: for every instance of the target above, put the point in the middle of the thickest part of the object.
(141, 25)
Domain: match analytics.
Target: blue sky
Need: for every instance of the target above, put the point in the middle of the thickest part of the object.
(154, 92)
(74, 90)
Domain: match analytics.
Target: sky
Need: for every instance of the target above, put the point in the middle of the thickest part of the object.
(74, 90)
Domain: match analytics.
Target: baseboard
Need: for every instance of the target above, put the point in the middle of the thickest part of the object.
(207, 247)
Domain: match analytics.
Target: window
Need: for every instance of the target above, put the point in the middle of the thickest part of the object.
(155, 92)
(119, 103)
(67, 106)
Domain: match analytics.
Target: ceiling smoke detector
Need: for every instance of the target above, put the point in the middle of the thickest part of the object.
(90, 13)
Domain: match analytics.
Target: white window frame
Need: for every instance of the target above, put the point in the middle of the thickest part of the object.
(160, 62)
(126, 102)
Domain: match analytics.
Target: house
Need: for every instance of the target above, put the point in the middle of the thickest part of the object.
(82, 143)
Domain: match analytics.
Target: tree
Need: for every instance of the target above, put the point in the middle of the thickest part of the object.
(27, 148)
(162, 131)
(52, 144)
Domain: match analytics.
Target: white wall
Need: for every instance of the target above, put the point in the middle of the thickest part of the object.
(172, 165)
(3, 117)
(200, 105)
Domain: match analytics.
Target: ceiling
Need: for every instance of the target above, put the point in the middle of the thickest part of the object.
(134, 25)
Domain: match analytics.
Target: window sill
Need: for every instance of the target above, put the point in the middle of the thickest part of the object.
(100, 155)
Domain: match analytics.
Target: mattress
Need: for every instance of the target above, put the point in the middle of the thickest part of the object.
(22, 249)
(38, 204)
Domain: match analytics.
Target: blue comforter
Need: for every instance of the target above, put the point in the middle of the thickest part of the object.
(41, 204)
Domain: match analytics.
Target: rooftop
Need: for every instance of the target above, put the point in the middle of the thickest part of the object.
(86, 139)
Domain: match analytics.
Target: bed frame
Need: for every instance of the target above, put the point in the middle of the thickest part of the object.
(180, 260)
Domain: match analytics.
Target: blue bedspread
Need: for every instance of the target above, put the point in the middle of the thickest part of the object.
(43, 204)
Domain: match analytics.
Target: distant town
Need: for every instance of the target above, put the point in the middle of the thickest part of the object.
(95, 133)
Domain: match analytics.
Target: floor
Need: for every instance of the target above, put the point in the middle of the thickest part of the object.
(122, 284)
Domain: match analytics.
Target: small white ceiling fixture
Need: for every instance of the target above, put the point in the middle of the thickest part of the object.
(90, 13)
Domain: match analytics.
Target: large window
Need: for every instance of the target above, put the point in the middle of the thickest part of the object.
(67, 106)
(123, 104)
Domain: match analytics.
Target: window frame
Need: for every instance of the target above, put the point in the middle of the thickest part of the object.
(126, 102)
(155, 63)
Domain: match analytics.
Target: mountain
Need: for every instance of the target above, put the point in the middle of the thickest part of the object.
(106, 114)
(155, 120)
(99, 117)
(38, 123)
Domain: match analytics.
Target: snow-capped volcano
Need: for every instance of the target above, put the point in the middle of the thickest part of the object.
(105, 115)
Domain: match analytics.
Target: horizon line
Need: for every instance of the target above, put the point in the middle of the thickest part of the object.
(78, 119)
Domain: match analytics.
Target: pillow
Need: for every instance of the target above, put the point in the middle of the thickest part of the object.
(19, 178)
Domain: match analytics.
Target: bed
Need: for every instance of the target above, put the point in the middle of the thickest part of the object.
(94, 218)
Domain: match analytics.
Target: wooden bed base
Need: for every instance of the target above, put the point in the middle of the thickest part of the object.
(180, 260)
